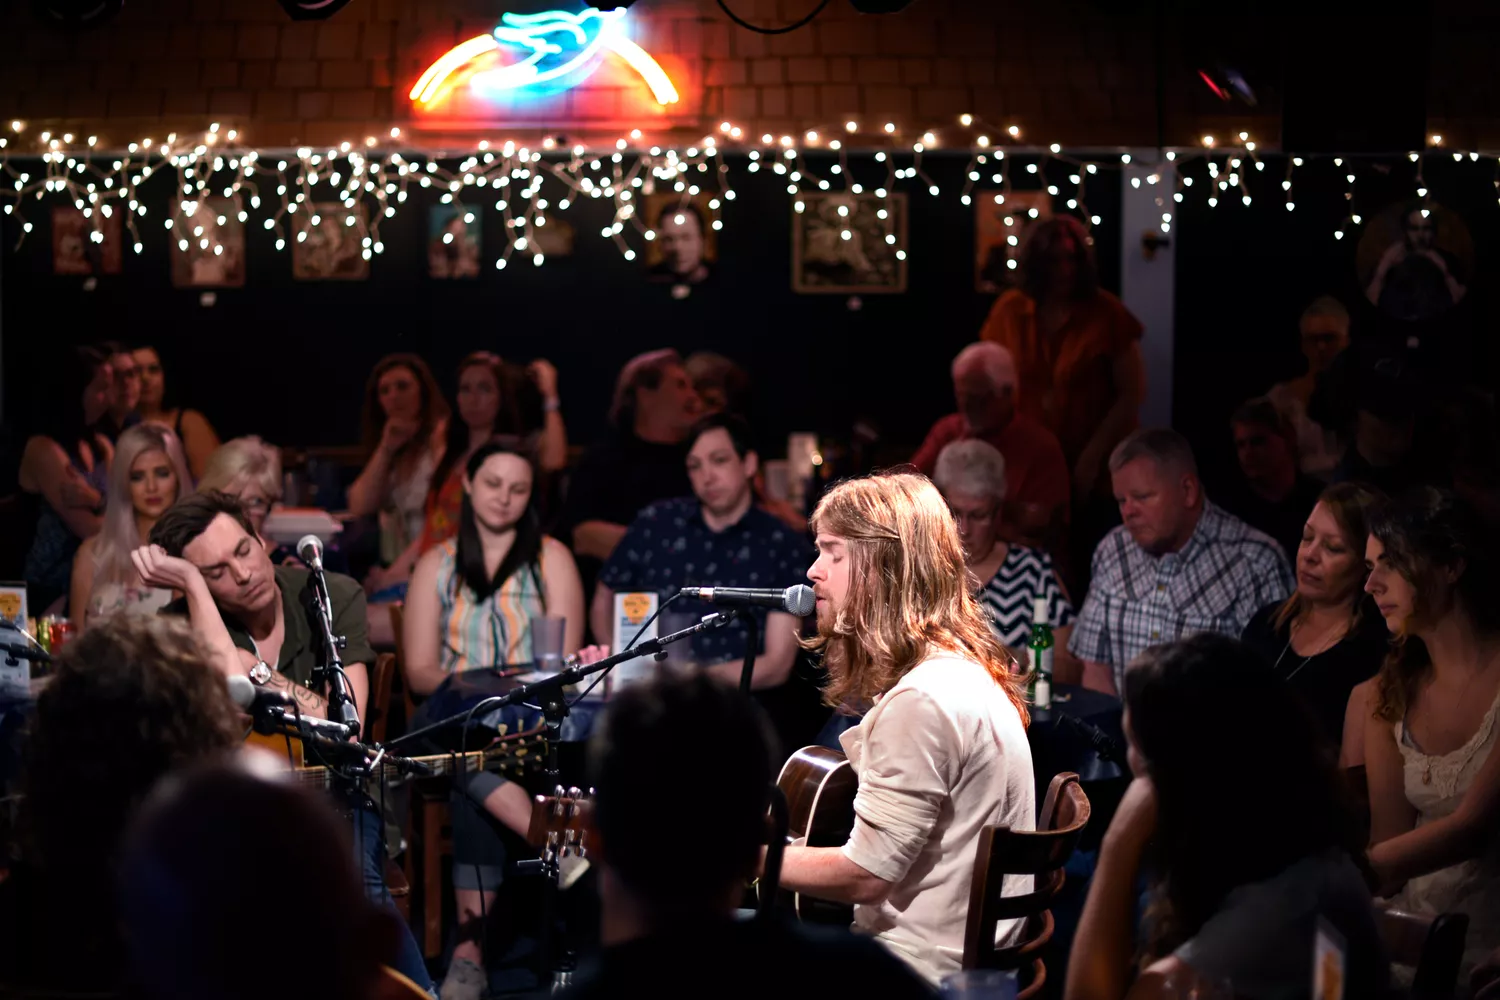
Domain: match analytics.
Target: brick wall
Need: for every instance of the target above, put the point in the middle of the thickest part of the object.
(1072, 71)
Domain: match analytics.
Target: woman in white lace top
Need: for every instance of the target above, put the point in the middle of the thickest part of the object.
(1434, 778)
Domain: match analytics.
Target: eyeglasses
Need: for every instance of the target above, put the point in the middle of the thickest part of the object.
(255, 504)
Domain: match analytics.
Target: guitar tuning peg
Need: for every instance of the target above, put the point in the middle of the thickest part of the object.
(574, 792)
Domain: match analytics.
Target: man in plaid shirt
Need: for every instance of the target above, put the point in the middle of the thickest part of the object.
(1177, 566)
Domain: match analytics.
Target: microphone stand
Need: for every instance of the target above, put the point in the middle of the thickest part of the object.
(330, 668)
(548, 693)
(752, 640)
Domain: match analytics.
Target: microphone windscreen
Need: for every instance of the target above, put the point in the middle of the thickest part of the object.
(310, 549)
(800, 600)
(242, 691)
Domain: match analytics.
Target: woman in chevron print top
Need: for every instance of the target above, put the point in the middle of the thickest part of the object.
(1009, 577)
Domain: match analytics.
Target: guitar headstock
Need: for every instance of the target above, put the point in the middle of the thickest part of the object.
(562, 823)
(517, 756)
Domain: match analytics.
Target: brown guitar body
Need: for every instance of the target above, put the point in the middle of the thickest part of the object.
(819, 787)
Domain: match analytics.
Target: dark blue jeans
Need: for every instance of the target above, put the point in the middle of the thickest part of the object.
(369, 848)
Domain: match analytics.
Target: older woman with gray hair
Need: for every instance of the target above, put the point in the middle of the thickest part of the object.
(1009, 578)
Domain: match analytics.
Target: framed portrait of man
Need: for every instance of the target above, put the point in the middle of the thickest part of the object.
(683, 247)
(454, 238)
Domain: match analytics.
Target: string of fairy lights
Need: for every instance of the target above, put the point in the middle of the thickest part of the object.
(364, 184)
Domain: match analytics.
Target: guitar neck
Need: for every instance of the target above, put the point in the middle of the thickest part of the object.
(516, 757)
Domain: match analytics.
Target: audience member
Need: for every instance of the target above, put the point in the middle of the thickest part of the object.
(1384, 401)
(1077, 348)
(253, 620)
(1177, 566)
(716, 536)
(249, 470)
(668, 903)
(641, 462)
(473, 603)
(475, 595)
(1328, 638)
(198, 437)
(124, 391)
(405, 421)
(1325, 333)
(129, 701)
(201, 866)
(1036, 473)
(721, 385)
(489, 410)
(146, 477)
(66, 466)
(1274, 496)
(1434, 777)
(941, 754)
(1238, 818)
(1010, 577)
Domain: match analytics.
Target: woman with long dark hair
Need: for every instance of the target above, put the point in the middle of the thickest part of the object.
(66, 466)
(1237, 815)
(1327, 638)
(198, 437)
(489, 409)
(1434, 775)
(471, 605)
(405, 418)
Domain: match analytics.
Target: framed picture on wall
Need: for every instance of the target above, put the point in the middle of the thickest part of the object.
(209, 251)
(74, 248)
(454, 236)
(333, 249)
(841, 243)
(1001, 221)
(552, 235)
(683, 248)
(1415, 260)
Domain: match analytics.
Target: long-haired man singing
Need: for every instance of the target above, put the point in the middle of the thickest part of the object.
(941, 751)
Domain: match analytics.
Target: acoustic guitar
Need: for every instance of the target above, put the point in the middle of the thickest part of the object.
(819, 786)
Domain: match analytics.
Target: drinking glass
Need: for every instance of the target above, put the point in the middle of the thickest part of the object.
(979, 984)
(547, 642)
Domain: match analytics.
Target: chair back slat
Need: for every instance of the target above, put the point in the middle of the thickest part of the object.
(1432, 945)
(1042, 854)
(378, 709)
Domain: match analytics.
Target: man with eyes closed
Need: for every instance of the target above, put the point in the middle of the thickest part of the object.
(249, 619)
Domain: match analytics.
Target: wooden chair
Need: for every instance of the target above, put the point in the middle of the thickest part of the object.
(377, 717)
(1433, 946)
(1042, 854)
(429, 832)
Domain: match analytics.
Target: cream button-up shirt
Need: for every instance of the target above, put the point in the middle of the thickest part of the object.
(942, 755)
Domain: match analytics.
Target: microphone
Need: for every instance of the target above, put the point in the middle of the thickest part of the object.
(249, 697)
(310, 551)
(798, 600)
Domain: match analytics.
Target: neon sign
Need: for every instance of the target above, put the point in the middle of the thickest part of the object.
(555, 52)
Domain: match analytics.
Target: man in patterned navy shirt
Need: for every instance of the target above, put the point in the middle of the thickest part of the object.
(1179, 565)
(717, 537)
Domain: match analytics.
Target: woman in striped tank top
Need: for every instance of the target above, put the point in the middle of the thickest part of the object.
(469, 607)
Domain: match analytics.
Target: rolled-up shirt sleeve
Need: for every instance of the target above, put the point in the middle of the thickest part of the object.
(911, 749)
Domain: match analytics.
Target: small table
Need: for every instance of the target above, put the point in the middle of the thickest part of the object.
(1058, 746)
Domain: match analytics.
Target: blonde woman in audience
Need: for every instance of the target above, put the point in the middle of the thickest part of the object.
(148, 474)
(250, 469)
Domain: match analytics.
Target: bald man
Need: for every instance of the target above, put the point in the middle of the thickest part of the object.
(986, 388)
